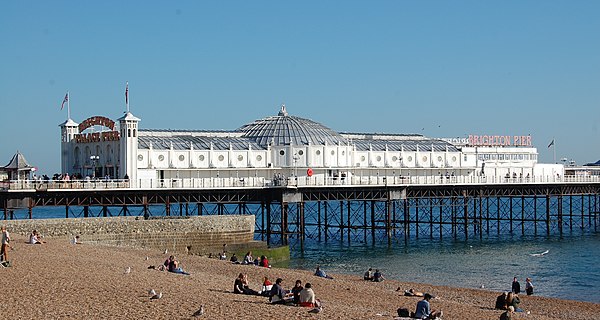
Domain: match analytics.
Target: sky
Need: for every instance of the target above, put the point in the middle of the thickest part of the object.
(440, 68)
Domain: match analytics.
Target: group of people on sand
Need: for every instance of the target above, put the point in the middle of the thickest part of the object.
(376, 276)
(263, 261)
(510, 301)
(299, 295)
(171, 265)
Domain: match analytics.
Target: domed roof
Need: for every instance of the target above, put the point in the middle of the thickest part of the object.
(284, 129)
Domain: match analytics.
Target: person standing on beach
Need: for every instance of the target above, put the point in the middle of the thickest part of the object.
(528, 286)
(516, 286)
(5, 244)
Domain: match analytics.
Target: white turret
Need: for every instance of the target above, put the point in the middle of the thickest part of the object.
(68, 130)
(128, 125)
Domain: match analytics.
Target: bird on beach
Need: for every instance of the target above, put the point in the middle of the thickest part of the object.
(156, 296)
(151, 292)
(539, 254)
(166, 251)
(128, 270)
(146, 258)
(200, 312)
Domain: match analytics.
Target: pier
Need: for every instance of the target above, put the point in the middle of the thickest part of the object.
(374, 210)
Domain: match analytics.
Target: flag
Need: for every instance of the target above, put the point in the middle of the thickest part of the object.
(127, 93)
(551, 143)
(66, 99)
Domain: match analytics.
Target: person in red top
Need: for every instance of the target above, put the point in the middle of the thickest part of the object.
(264, 262)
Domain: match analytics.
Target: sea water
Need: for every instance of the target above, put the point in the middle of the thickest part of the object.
(570, 269)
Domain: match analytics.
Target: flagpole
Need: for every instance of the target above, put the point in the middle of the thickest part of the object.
(554, 148)
(127, 95)
(68, 105)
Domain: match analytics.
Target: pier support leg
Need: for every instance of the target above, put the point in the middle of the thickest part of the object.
(302, 224)
(268, 207)
(86, 211)
(319, 225)
(548, 214)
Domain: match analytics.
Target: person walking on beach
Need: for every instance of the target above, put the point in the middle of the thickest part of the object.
(5, 244)
(516, 286)
(528, 286)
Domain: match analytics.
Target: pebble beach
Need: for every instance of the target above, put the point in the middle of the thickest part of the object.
(59, 280)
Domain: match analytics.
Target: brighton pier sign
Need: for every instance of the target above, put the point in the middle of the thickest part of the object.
(499, 141)
(111, 135)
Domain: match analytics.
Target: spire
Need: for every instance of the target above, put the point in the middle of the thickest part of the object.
(282, 112)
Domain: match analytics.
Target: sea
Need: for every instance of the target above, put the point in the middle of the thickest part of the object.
(568, 269)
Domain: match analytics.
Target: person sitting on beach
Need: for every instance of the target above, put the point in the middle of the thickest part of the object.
(412, 293)
(501, 301)
(296, 291)
(528, 286)
(267, 286)
(369, 275)
(278, 295)
(175, 267)
(33, 238)
(513, 300)
(307, 297)
(507, 315)
(248, 258)
(264, 262)
(424, 310)
(234, 259)
(378, 277)
(321, 273)
(241, 285)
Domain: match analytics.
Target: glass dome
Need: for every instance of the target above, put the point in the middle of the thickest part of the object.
(284, 129)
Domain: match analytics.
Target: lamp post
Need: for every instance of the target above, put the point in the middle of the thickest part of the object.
(94, 159)
(296, 158)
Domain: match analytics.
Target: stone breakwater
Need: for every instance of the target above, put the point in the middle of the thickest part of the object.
(194, 235)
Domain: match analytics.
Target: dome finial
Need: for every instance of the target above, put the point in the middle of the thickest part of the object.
(282, 112)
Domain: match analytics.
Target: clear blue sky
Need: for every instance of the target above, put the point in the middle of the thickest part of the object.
(441, 68)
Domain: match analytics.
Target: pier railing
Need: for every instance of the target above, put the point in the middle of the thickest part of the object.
(260, 182)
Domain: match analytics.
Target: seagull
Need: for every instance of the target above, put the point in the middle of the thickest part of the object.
(200, 312)
(127, 270)
(316, 310)
(156, 296)
(146, 258)
(151, 292)
(539, 254)
(166, 251)
(482, 286)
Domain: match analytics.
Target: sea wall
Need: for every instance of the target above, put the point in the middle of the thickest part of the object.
(197, 234)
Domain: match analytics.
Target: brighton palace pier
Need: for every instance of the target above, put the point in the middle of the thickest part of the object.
(286, 150)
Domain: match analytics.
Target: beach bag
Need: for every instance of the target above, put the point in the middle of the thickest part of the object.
(403, 312)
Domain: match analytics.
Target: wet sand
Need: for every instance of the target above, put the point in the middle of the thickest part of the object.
(58, 280)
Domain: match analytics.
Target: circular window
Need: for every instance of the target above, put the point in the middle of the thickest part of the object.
(240, 157)
(440, 158)
(424, 158)
(281, 152)
(140, 157)
(318, 152)
(409, 159)
(394, 158)
(378, 158)
(201, 157)
(332, 152)
(258, 157)
(300, 152)
(161, 158)
(221, 158)
(181, 157)
(343, 152)
(362, 158)
(454, 159)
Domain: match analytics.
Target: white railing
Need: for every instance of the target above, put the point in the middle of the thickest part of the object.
(261, 182)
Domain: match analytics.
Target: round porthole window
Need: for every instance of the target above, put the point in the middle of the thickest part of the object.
(258, 157)
(201, 157)
(318, 152)
(161, 157)
(454, 159)
(181, 157)
(343, 152)
(378, 158)
(140, 157)
(394, 158)
(362, 158)
(281, 152)
(300, 152)
(424, 158)
(221, 158)
(240, 157)
(332, 152)
(409, 158)
(440, 159)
